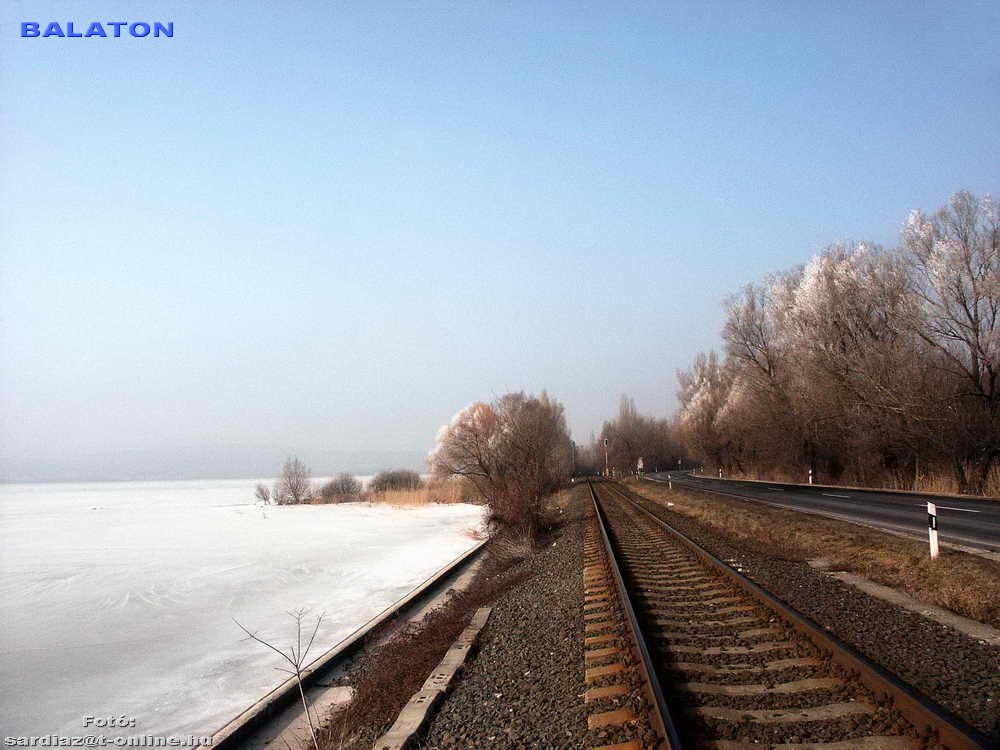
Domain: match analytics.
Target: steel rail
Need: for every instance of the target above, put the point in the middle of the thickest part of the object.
(251, 719)
(662, 722)
(917, 708)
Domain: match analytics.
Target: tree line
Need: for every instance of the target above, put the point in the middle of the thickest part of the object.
(295, 485)
(866, 365)
(625, 439)
(510, 454)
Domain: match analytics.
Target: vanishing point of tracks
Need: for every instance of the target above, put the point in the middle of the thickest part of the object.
(725, 665)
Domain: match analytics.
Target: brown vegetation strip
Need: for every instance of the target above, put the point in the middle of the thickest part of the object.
(415, 714)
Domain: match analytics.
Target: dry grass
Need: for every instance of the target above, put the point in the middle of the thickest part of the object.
(961, 582)
(437, 491)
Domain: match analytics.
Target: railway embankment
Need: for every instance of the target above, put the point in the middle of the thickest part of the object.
(773, 548)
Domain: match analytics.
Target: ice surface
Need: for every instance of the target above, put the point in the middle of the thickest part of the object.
(119, 598)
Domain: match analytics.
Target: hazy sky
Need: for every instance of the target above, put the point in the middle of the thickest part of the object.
(328, 226)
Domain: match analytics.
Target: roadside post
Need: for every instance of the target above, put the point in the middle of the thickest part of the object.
(606, 474)
(810, 476)
(638, 467)
(720, 472)
(932, 529)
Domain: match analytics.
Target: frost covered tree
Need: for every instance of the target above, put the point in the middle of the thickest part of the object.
(875, 365)
(702, 393)
(861, 367)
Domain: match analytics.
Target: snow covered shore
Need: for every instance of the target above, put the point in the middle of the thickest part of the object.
(119, 598)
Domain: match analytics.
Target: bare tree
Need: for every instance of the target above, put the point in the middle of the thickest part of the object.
(294, 486)
(515, 451)
(955, 258)
(296, 659)
(632, 436)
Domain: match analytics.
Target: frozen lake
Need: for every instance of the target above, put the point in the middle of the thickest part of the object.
(119, 598)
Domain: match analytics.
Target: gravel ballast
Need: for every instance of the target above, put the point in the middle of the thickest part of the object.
(961, 674)
(524, 687)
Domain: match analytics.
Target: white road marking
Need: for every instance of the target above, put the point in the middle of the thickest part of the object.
(945, 507)
(833, 494)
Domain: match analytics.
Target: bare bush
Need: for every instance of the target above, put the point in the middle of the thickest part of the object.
(341, 488)
(263, 493)
(397, 479)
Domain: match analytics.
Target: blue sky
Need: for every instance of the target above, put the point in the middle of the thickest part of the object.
(328, 226)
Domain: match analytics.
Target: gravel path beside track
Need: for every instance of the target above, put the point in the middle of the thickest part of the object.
(523, 688)
(959, 673)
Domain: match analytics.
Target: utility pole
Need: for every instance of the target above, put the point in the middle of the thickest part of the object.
(606, 458)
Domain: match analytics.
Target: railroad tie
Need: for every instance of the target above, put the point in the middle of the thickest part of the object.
(784, 688)
(778, 716)
(615, 718)
(729, 669)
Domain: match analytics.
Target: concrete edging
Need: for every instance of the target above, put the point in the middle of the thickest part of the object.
(419, 709)
(974, 629)
(263, 709)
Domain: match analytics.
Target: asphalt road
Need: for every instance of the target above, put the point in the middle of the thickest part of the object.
(963, 522)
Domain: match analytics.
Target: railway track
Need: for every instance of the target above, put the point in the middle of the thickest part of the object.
(728, 666)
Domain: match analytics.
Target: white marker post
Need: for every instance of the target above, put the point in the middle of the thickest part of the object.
(932, 529)
(720, 472)
(810, 476)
